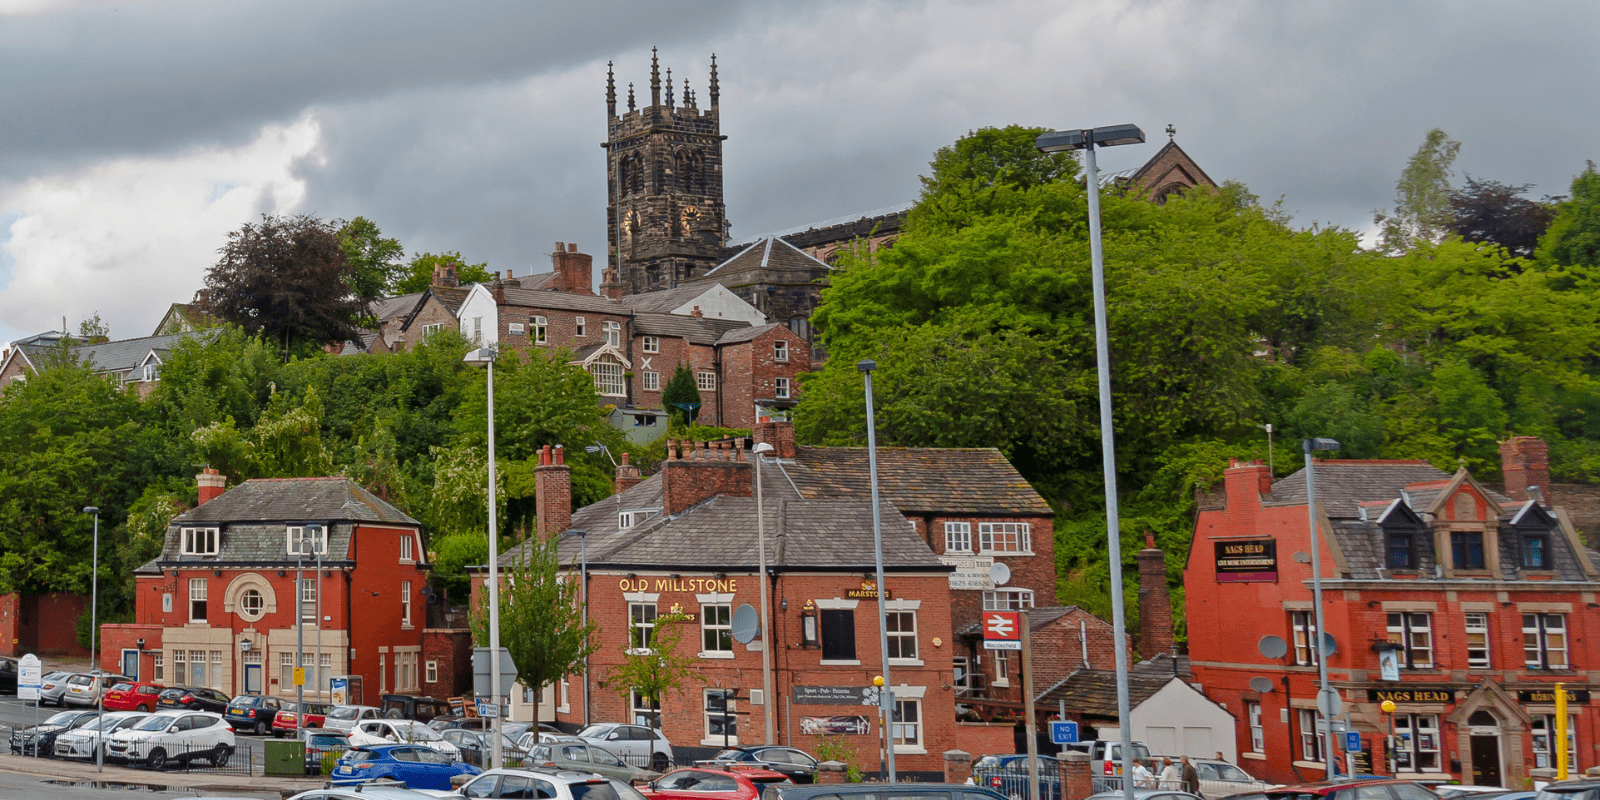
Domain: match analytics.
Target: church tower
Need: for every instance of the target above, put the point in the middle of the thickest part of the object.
(665, 216)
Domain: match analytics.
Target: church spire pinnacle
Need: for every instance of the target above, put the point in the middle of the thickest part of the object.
(714, 90)
(655, 79)
(669, 87)
(630, 96)
(611, 91)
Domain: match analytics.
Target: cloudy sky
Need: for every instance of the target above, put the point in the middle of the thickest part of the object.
(135, 135)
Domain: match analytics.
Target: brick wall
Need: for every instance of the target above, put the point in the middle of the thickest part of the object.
(675, 351)
(750, 371)
(691, 476)
(450, 651)
(1035, 571)
(433, 313)
(11, 624)
(574, 270)
(116, 638)
(1155, 605)
(552, 492)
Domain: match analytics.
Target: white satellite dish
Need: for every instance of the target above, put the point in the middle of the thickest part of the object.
(1000, 574)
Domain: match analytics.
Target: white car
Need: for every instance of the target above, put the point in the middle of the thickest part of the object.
(552, 784)
(344, 718)
(81, 742)
(391, 731)
(174, 736)
(636, 744)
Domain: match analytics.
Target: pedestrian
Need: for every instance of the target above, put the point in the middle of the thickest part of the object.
(1169, 774)
(1191, 778)
(1221, 758)
(1142, 776)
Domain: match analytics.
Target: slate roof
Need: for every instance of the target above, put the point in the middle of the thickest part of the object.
(697, 330)
(882, 213)
(125, 354)
(539, 298)
(295, 499)
(920, 479)
(746, 333)
(768, 253)
(1093, 692)
(665, 300)
(1342, 484)
(538, 280)
(398, 306)
(451, 297)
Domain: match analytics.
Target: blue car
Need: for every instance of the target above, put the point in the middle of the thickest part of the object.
(420, 767)
(1008, 775)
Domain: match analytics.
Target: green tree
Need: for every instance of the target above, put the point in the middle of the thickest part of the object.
(418, 274)
(541, 619)
(681, 396)
(375, 262)
(1573, 238)
(652, 666)
(1422, 197)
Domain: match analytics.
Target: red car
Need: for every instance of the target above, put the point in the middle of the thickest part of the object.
(698, 783)
(284, 723)
(128, 696)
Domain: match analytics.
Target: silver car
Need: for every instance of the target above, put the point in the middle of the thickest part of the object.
(86, 689)
(53, 687)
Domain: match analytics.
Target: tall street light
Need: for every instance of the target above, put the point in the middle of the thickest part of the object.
(886, 695)
(94, 636)
(583, 551)
(1086, 140)
(486, 356)
(760, 451)
(1327, 698)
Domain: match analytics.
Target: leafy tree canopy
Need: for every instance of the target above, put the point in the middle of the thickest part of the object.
(681, 396)
(1490, 212)
(418, 274)
(1574, 236)
(375, 262)
(1422, 197)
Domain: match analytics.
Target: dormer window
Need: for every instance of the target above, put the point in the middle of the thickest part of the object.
(1401, 546)
(1535, 549)
(625, 520)
(1466, 547)
(199, 542)
(306, 541)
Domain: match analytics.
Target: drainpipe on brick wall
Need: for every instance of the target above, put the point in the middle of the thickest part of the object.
(1294, 740)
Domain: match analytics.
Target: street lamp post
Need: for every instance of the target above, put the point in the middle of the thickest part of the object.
(760, 451)
(486, 356)
(1326, 697)
(94, 637)
(583, 574)
(886, 694)
(1086, 140)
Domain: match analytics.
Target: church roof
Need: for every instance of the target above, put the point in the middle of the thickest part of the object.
(747, 333)
(1170, 165)
(894, 211)
(770, 253)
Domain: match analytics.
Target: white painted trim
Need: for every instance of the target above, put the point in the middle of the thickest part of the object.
(909, 692)
(641, 597)
(844, 662)
(716, 654)
(902, 605)
(837, 604)
(714, 599)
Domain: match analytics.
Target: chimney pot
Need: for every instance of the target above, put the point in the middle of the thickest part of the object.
(696, 313)
(572, 247)
(552, 482)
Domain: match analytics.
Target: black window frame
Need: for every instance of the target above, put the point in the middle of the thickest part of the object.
(1542, 537)
(838, 634)
(1392, 536)
(1461, 543)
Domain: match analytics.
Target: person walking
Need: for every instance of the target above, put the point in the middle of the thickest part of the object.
(1170, 775)
(1142, 776)
(1191, 778)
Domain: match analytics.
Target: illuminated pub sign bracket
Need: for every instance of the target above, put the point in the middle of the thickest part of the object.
(1416, 694)
(1247, 560)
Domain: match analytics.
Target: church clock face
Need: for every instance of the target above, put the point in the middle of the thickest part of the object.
(689, 217)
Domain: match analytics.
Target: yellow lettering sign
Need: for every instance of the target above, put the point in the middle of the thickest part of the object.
(694, 585)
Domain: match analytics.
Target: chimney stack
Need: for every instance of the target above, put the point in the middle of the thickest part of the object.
(574, 270)
(696, 313)
(627, 475)
(444, 275)
(552, 492)
(211, 484)
(779, 434)
(610, 285)
(1525, 462)
(693, 474)
(1155, 606)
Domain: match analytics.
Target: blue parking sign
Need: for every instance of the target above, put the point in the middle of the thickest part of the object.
(1352, 741)
(1062, 732)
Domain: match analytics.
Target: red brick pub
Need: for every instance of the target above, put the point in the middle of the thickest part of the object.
(1478, 601)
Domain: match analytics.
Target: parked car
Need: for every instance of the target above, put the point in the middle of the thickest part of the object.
(545, 784)
(1346, 790)
(445, 722)
(194, 698)
(400, 731)
(1468, 791)
(345, 717)
(82, 742)
(252, 711)
(636, 744)
(1105, 758)
(319, 742)
(903, 791)
(581, 755)
(8, 675)
(174, 736)
(287, 720)
(41, 738)
(1576, 789)
(86, 689)
(53, 687)
(1008, 775)
(474, 746)
(405, 706)
(797, 764)
(364, 791)
(692, 783)
(1219, 779)
(133, 696)
(1146, 794)
(419, 766)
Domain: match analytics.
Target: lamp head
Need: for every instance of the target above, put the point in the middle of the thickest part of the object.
(1105, 136)
(482, 355)
(877, 680)
(866, 365)
(762, 448)
(1320, 444)
(91, 510)
(578, 532)
(594, 448)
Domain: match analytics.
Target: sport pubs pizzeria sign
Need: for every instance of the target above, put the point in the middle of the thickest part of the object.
(1242, 560)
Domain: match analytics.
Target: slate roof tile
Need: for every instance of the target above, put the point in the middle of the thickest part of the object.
(1093, 692)
(696, 330)
(920, 479)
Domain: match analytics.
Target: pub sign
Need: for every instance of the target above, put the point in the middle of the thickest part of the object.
(1247, 560)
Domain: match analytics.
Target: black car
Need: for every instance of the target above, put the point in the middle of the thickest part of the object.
(421, 709)
(195, 698)
(797, 765)
(253, 711)
(42, 737)
(8, 675)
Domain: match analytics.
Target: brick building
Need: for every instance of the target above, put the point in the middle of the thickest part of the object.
(132, 363)
(219, 606)
(1482, 600)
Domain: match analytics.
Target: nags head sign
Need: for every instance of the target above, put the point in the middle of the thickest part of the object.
(1242, 560)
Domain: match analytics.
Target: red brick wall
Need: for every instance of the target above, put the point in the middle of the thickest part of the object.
(675, 351)
(375, 601)
(750, 372)
(11, 624)
(552, 492)
(49, 624)
(1036, 571)
(116, 638)
(694, 476)
(450, 649)
(574, 270)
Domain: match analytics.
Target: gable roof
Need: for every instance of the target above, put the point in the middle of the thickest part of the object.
(747, 333)
(385, 308)
(920, 479)
(540, 298)
(296, 499)
(1179, 161)
(894, 212)
(664, 300)
(1343, 483)
(1093, 692)
(125, 354)
(769, 253)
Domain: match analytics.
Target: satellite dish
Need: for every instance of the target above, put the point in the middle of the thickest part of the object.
(746, 623)
(1000, 574)
(1302, 557)
(1273, 647)
(1260, 684)
(1328, 646)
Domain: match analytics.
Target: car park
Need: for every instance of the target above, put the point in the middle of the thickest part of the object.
(346, 717)
(174, 737)
(400, 731)
(252, 711)
(635, 744)
(544, 784)
(903, 791)
(320, 742)
(41, 739)
(1105, 758)
(693, 783)
(444, 722)
(133, 696)
(1008, 775)
(288, 720)
(85, 689)
(581, 755)
(53, 687)
(796, 763)
(474, 746)
(1219, 779)
(194, 698)
(1365, 789)
(418, 766)
(84, 741)
(405, 706)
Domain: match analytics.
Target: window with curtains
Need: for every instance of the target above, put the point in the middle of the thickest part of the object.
(1303, 631)
(1544, 641)
(1477, 630)
(1414, 633)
